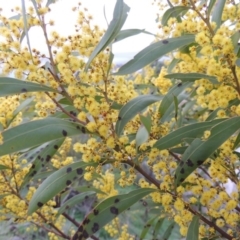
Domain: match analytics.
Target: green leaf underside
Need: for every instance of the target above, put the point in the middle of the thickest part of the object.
(35, 133)
(193, 229)
(107, 210)
(191, 77)
(167, 104)
(153, 52)
(157, 227)
(40, 157)
(147, 227)
(146, 121)
(173, 12)
(237, 141)
(217, 12)
(119, 17)
(168, 232)
(55, 183)
(210, 6)
(141, 136)
(190, 131)
(132, 108)
(129, 33)
(199, 150)
(11, 86)
(74, 201)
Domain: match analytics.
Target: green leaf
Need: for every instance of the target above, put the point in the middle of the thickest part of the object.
(55, 183)
(237, 141)
(213, 114)
(235, 37)
(210, 6)
(10, 86)
(217, 13)
(50, 2)
(20, 108)
(175, 106)
(2, 167)
(110, 60)
(43, 175)
(168, 232)
(26, 28)
(191, 77)
(154, 52)
(141, 136)
(190, 131)
(172, 65)
(147, 227)
(157, 227)
(146, 121)
(199, 151)
(179, 150)
(132, 108)
(74, 201)
(129, 33)
(193, 229)
(107, 210)
(35, 133)
(237, 62)
(40, 158)
(167, 104)
(119, 17)
(173, 12)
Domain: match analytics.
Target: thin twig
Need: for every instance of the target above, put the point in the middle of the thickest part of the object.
(64, 111)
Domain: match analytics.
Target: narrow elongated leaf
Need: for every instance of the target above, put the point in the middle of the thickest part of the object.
(190, 131)
(235, 38)
(176, 107)
(129, 33)
(50, 2)
(147, 227)
(146, 121)
(172, 65)
(173, 12)
(237, 141)
(119, 17)
(22, 106)
(107, 210)
(179, 150)
(26, 28)
(168, 232)
(210, 6)
(110, 60)
(74, 201)
(132, 108)
(43, 175)
(2, 167)
(10, 86)
(191, 77)
(167, 104)
(37, 132)
(217, 13)
(40, 157)
(55, 183)
(154, 52)
(237, 63)
(157, 227)
(193, 229)
(141, 136)
(199, 151)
